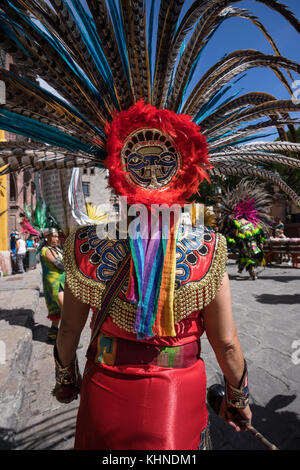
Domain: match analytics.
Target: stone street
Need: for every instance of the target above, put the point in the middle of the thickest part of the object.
(267, 315)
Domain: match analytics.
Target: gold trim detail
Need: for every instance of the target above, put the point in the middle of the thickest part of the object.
(88, 291)
(187, 299)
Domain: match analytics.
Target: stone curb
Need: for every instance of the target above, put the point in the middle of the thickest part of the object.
(20, 300)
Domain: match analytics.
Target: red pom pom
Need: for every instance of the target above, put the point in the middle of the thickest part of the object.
(189, 142)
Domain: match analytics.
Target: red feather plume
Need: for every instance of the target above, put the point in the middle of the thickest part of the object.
(191, 145)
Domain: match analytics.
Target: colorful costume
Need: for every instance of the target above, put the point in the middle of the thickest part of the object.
(53, 282)
(244, 219)
(249, 239)
(136, 114)
(145, 374)
(40, 222)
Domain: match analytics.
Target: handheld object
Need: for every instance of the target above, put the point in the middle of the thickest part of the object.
(215, 394)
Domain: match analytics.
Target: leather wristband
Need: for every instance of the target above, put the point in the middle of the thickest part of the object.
(238, 397)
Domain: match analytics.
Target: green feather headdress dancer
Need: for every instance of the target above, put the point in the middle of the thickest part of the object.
(101, 57)
(248, 198)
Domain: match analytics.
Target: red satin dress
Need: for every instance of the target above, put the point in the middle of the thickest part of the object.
(141, 395)
(143, 406)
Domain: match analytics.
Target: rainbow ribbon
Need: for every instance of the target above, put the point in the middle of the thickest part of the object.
(152, 277)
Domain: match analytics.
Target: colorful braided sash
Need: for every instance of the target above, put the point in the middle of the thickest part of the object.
(152, 277)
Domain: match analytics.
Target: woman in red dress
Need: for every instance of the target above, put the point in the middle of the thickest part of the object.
(153, 294)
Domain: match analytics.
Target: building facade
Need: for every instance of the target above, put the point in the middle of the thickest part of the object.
(96, 191)
(16, 190)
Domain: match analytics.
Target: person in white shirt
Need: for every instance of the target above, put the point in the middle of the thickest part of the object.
(20, 254)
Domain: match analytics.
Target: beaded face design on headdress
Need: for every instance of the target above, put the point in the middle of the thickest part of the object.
(150, 158)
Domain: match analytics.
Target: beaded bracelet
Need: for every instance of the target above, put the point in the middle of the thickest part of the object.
(238, 397)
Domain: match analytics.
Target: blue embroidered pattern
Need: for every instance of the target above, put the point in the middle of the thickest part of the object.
(106, 254)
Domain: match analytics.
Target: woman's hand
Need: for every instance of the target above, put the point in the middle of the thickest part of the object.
(66, 393)
(234, 416)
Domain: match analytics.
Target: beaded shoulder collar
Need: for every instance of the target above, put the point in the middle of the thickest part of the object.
(90, 263)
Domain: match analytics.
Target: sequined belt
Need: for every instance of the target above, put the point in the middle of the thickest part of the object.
(117, 351)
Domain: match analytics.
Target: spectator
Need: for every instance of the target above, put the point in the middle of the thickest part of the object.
(13, 253)
(20, 253)
(30, 242)
(53, 279)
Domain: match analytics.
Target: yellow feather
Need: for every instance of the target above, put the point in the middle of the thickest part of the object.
(95, 213)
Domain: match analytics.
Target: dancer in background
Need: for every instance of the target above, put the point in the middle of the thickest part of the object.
(249, 239)
(245, 221)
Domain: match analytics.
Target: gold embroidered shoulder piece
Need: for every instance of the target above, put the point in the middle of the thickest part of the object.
(90, 262)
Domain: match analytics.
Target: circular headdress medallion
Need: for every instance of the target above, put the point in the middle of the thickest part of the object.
(155, 156)
(150, 158)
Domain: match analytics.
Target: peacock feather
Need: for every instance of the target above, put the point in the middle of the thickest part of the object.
(79, 62)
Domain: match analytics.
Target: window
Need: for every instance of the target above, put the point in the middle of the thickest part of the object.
(24, 195)
(86, 189)
(12, 188)
(92, 171)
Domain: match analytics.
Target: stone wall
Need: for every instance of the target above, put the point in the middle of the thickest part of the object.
(99, 193)
(5, 263)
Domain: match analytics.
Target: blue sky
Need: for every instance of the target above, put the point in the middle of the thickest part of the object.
(238, 33)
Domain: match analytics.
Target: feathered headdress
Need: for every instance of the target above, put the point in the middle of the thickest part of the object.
(249, 199)
(99, 58)
(119, 94)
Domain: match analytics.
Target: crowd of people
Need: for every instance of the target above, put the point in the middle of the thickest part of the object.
(22, 252)
(246, 238)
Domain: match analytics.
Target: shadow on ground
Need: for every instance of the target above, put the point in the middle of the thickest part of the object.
(287, 299)
(49, 433)
(281, 428)
(245, 277)
(25, 317)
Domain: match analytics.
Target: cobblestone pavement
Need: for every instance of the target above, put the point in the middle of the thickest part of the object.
(267, 316)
